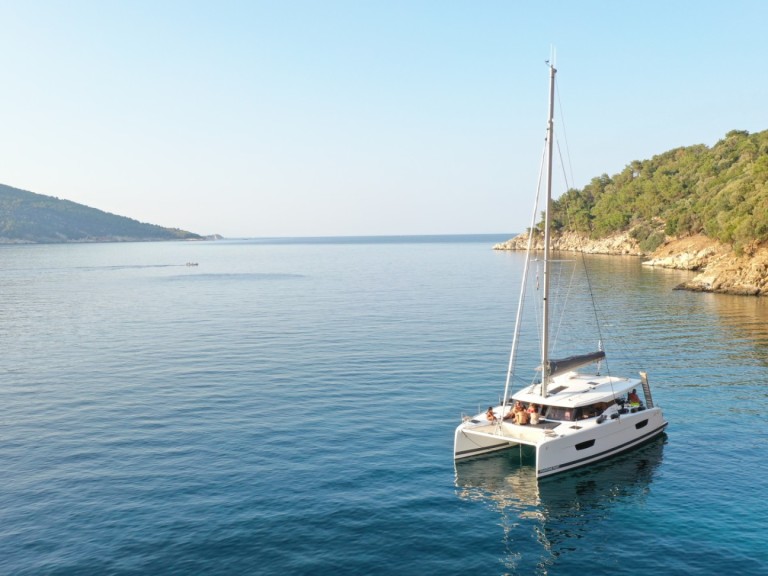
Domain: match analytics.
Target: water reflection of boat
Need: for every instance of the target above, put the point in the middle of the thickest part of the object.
(557, 510)
(505, 482)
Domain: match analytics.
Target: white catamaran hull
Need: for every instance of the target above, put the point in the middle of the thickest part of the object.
(565, 445)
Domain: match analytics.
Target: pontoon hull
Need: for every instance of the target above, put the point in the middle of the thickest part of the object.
(566, 446)
(473, 442)
(598, 442)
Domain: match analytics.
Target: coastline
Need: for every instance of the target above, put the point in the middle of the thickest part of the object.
(720, 269)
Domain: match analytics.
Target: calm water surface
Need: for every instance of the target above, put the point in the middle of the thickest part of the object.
(288, 407)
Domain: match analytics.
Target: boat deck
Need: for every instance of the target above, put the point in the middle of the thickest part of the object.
(532, 434)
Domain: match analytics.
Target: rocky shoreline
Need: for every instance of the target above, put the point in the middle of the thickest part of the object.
(720, 269)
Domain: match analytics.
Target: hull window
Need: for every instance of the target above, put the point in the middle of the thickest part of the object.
(585, 445)
(642, 424)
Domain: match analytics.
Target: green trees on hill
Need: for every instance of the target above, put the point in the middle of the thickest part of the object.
(720, 191)
(29, 217)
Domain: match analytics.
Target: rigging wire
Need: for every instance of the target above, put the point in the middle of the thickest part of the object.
(563, 294)
(521, 301)
(585, 268)
(568, 210)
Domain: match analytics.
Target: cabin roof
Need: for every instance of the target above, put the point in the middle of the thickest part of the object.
(574, 389)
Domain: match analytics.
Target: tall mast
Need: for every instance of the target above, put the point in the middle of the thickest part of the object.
(545, 371)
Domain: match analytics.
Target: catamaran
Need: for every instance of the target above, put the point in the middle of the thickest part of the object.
(566, 417)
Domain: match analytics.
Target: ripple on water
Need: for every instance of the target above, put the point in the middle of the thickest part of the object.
(290, 408)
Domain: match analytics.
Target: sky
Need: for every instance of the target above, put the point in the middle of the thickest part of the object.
(361, 117)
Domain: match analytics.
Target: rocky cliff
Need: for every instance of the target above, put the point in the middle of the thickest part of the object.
(617, 244)
(719, 268)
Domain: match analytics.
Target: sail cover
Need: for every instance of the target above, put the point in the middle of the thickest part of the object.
(572, 362)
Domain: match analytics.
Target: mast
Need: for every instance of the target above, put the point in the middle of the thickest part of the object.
(545, 369)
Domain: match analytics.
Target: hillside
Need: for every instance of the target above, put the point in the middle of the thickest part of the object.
(693, 208)
(720, 192)
(26, 217)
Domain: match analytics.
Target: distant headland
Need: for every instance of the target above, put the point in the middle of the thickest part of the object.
(696, 208)
(29, 218)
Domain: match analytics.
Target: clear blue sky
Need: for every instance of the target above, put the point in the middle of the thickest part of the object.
(326, 117)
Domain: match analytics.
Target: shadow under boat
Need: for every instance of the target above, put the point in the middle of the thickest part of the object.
(543, 520)
(508, 481)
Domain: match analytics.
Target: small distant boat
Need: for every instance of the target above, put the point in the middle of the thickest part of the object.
(191, 263)
(567, 418)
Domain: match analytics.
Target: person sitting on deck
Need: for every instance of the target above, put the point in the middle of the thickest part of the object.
(533, 414)
(633, 398)
(521, 416)
(514, 410)
(490, 415)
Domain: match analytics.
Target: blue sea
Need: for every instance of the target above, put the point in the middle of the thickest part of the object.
(287, 406)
